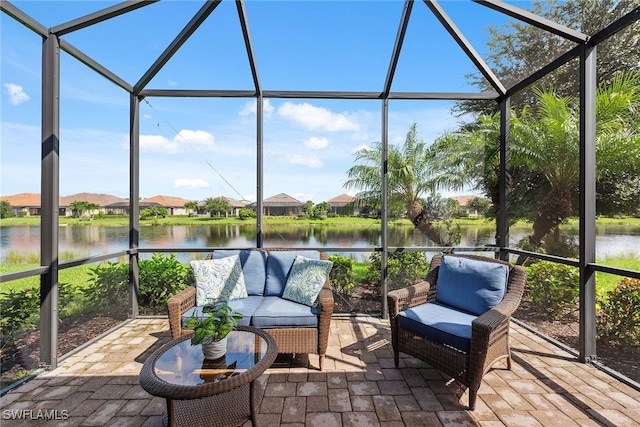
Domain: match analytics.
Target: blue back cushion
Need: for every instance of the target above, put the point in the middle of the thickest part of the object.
(278, 265)
(254, 268)
(471, 285)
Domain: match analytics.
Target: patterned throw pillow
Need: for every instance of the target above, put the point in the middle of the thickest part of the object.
(305, 281)
(218, 279)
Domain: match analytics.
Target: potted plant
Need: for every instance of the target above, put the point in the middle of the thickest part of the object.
(212, 330)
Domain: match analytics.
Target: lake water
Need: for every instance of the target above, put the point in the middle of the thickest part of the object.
(83, 240)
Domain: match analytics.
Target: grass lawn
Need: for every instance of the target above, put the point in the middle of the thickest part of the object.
(78, 276)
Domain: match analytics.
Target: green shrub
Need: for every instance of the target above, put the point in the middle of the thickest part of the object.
(341, 275)
(109, 289)
(553, 287)
(246, 213)
(619, 318)
(160, 278)
(19, 311)
(21, 308)
(404, 269)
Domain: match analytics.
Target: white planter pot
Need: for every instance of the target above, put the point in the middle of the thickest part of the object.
(215, 350)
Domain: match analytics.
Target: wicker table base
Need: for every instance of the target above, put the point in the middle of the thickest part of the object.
(202, 392)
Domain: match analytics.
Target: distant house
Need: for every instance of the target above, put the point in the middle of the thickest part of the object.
(343, 205)
(236, 205)
(24, 203)
(463, 201)
(173, 205)
(123, 208)
(282, 205)
(30, 203)
(100, 200)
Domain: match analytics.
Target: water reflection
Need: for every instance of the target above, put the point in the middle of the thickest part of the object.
(612, 240)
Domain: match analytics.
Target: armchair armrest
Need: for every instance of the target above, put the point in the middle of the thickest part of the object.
(177, 305)
(411, 296)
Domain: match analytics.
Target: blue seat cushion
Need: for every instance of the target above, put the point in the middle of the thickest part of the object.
(276, 312)
(471, 285)
(439, 323)
(246, 306)
(254, 267)
(278, 266)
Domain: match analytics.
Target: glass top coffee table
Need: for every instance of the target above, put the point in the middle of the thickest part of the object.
(207, 392)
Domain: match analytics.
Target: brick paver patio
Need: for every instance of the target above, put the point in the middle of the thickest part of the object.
(359, 387)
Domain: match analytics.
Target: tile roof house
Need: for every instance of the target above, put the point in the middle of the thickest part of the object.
(282, 205)
(343, 205)
(174, 205)
(236, 205)
(101, 200)
(29, 203)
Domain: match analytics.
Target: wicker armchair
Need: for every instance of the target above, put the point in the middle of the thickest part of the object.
(296, 340)
(489, 334)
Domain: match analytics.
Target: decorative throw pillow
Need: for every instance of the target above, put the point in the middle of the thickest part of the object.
(218, 279)
(306, 279)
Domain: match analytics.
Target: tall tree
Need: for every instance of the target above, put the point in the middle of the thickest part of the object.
(518, 49)
(217, 206)
(191, 206)
(410, 180)
(545, 149)
(79, 207)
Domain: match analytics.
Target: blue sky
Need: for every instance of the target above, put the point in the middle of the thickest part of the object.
(198, 148)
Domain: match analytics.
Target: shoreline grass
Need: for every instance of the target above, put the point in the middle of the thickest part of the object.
(123, 221)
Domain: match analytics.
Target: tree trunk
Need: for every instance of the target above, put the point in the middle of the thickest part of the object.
(554, 208)
(417, 215)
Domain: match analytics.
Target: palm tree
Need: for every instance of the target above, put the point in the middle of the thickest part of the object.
(545, 148)
(191, 206)
(410, 179)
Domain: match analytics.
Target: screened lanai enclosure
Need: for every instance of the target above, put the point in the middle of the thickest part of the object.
(261, 98)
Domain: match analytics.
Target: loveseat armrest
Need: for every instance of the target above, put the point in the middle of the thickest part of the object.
(325, 303)
(177, 305)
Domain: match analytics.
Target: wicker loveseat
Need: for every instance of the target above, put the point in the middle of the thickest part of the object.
(457, 319)
(297, 328)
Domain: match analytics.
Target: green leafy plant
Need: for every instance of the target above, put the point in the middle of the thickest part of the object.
(619, 318)
(160, 278)
(19, 311)
(109, 288)
(220, 319)
(404, 269)
(21, 308)
(341, 275)
(246, 213)
(553, 287)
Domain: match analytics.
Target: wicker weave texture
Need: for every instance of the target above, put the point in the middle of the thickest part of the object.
(228, 402)
(489, 332)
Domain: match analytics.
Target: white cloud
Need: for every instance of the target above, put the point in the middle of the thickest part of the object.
(172, 83)
(159, 143)
(311, 161)
(250, 108)
(190, 183)
(316, 143)
(16, 94)
(317, 117)
(195, 137)
(146, 116)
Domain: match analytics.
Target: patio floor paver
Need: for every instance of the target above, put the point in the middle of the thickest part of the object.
(360, 386)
